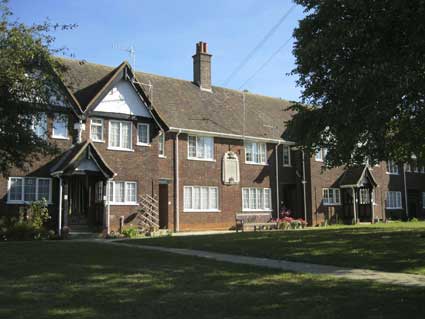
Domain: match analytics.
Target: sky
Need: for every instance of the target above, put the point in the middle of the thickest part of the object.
(164, 34)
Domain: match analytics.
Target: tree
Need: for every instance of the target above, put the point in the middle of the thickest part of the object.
(361, 66)
(28, 83)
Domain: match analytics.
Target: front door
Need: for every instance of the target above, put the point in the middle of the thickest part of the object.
(163, 206)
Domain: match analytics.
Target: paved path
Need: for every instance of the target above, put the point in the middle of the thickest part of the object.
(334, 271)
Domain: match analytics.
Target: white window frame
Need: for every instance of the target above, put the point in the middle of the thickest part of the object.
(22, 201)
(326, 199)
(288, 150)
(266, 195)
(320, 154)
(208, 209)
(161, 141)
(259, 146)
(365, 196)
(198, 157)
(125, 202)
(61, 117)
(392, 168)
(120, 148)
(101, 125)
(147, 134)
(398, 198)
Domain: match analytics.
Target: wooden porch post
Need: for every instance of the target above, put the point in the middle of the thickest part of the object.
(372, 199)
(354, 205)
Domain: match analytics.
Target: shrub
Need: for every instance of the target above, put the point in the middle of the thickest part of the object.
(413, 220)
(130, 232)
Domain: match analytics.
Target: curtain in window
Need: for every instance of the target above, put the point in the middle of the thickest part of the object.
(115, 134)
(126, 135)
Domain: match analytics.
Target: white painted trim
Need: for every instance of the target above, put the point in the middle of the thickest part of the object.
(227, 135)
(252, 162)
(120, 149)
(110, 147)
(200, 158)
(289, 155)
(201, 211)
(22, 201)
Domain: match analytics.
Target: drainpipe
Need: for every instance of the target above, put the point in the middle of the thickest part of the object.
(108, 208)
(60, 208)
(405, 191)
(277, 180)
(304, 182)
(177, 184)
(354, 205)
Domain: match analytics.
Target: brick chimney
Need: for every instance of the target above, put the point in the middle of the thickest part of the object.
(202, 66)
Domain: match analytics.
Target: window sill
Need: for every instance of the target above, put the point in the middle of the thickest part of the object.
(257, 210)
(22, 202)
(258, 164)
(288, 165)
(119, 149)
(388, 173)
(393, 208)
(122, 204)
(253, 212)
(336, 204)
(162, 156)
(202, 211)
(317, 160)
(201, 159)
(98, 141)
(60, 137)
(143, 144)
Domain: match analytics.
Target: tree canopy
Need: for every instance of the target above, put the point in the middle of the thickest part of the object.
(28, 83)
(361, 67)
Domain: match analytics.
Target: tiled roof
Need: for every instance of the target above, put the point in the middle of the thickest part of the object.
(182, 104)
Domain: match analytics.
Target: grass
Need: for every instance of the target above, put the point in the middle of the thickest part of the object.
(90, 280)
(395, 247)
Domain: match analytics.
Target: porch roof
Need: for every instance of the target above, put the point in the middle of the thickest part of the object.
(354, 177)
(75, 155)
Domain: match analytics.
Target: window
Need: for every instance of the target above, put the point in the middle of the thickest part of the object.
(28, 189)
(39, 126)
(255, 153)
(201, 147)
(392, 168)
(99, 191)
(320, 155)
(286, 156)
(122, 193)
(142, 134)
(200, 198)
(120, 135)
(60, 126)
(256, 199)
(393, 200)
(96, 130)
(161, 144)
(331, 196)
(364, 195)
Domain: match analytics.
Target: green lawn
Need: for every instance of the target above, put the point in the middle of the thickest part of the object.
(89, 280)
(396, 247)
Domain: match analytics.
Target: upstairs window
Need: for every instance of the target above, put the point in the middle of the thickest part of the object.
(96, 130)
(392, 167)
(331, 196)
(161, 144)
(201, 147)
(320, 155)
(60, 126)
(142, 134)
(120, 135)
(39, 126)
(255, 153)
(286, 156)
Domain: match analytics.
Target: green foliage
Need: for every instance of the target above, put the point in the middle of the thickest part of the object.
(361, 65)
(28, 85)
(29, 225)
(413, 220)
(130, 232)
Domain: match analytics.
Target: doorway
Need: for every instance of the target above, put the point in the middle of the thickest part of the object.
(163, 206)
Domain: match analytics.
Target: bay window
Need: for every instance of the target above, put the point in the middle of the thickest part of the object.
(120, 135)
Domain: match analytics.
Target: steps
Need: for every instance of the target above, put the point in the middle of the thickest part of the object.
(82, 232)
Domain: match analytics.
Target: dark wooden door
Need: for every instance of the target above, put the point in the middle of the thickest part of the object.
(163, 206)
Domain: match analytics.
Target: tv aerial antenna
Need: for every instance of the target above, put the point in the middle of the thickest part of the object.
(131, 52)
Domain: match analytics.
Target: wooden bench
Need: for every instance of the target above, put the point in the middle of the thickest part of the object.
(257, 222)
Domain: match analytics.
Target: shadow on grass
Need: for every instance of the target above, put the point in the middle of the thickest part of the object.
(82, 280)
(388, 248)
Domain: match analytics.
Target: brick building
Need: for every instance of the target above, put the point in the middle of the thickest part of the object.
(205, 153)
